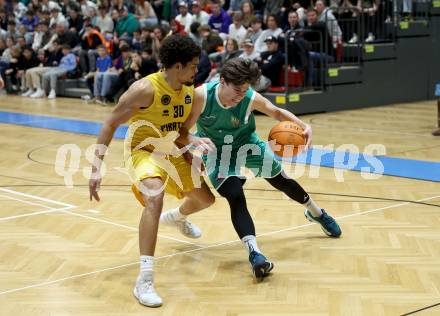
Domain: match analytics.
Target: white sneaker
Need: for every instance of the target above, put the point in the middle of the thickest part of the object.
(27, 93)
(52, 94)
(146, 294)
(370, 38)
(187, 228)
(38, 94)
(354, 39)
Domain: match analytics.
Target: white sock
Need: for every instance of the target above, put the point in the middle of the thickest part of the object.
(250, 243)
(313, 208)
(176, 214)
(147, 267)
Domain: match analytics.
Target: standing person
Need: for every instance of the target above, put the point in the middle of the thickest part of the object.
(223, 111)
(167, 92)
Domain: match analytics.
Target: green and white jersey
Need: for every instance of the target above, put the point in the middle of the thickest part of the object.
(232, 130)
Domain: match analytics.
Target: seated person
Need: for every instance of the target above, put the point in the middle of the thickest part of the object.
(67, 63)
(271, 64)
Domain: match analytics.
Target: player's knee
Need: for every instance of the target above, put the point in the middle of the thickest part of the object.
(154, 204)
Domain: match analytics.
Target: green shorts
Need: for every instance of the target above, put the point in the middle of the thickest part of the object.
(229, 161)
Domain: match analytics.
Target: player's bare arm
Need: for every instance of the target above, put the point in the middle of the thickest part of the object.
(140, 94)
(263, 105)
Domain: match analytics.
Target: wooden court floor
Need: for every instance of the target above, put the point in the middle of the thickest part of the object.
(63, 255)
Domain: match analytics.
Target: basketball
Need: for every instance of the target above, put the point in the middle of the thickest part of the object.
(289, 136)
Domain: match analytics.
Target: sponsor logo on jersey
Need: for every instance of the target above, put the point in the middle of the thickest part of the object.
(166, 99)
(187, 99)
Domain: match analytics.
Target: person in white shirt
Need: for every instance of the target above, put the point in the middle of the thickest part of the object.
(249, 51)
(236, 29)
(272, 30)
(104, 21)
(56, 17)
(47, 5)
(184, 18)
(198, 15)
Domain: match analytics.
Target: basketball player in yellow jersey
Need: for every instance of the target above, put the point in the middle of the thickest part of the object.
(156, 107)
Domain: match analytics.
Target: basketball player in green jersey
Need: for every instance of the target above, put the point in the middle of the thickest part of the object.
(223, 112)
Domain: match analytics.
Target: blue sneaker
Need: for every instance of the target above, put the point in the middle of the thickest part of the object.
(260, 265)
(328, 223)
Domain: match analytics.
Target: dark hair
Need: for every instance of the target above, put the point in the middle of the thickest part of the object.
(101, 46)
(66, 46)
(275, 17)
(194, 27)
(240, 70)
(178, 49)
(312, 10)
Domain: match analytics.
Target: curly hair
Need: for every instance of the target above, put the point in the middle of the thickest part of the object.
(240, 70)
(178, 49)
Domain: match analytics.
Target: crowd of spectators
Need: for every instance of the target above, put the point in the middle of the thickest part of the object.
(112, 43)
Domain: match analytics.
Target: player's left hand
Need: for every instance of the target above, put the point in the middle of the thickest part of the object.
(308, 136)
(195, 161)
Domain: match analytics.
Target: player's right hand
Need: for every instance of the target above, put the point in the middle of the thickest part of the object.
(94, 186)
(203, 143)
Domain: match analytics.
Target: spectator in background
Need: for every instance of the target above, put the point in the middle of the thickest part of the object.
(104, 21)
(326, 16)
(194, 34)
(33, 75)
(249, 51)
(236, 29)
(219, 20)
(126, 24)
(231, 51)
(88, 7)
(30, 21)
(203, 69)
(47, 5)
(247, 9)
(103, 63)
(176, 28)
(68, 5)
(211, 41)
(105, 80)
(29, 61)
(145, 13)
(28, 36)
(19, 9)
(67, 63)
(321, 53)
(12, 30)
(254, 32)
(184, 18)
(10, 74)
(66, 36)
(293, 23)
(198, 15)
(3, 22)
(272, 30)
(56, 17)
(90, 41)
(42, 36)
(271, 64)
(75, 20)
(272, 7)
(5, 59)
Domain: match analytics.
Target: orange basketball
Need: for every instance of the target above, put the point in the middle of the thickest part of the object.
(288, 137)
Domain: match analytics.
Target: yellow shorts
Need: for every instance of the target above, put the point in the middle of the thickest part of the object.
(176, 173)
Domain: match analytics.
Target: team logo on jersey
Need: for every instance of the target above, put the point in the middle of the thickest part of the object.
(187, 99)
(166, 99)
(166, 113)
(235, 121)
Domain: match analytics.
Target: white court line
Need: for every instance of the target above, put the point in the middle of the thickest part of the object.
(207, 247)
(128, 227)
(53, 210)
(64, 210)
(36, 197)
(27, 202)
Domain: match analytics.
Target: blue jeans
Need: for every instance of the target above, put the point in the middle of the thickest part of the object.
(315, 59)
(103, 83)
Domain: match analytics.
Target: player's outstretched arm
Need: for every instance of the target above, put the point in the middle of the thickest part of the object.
(185, 137)
(263, 105)
(140, 94)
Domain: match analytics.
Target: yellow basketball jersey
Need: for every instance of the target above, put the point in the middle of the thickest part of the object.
(166, 114)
